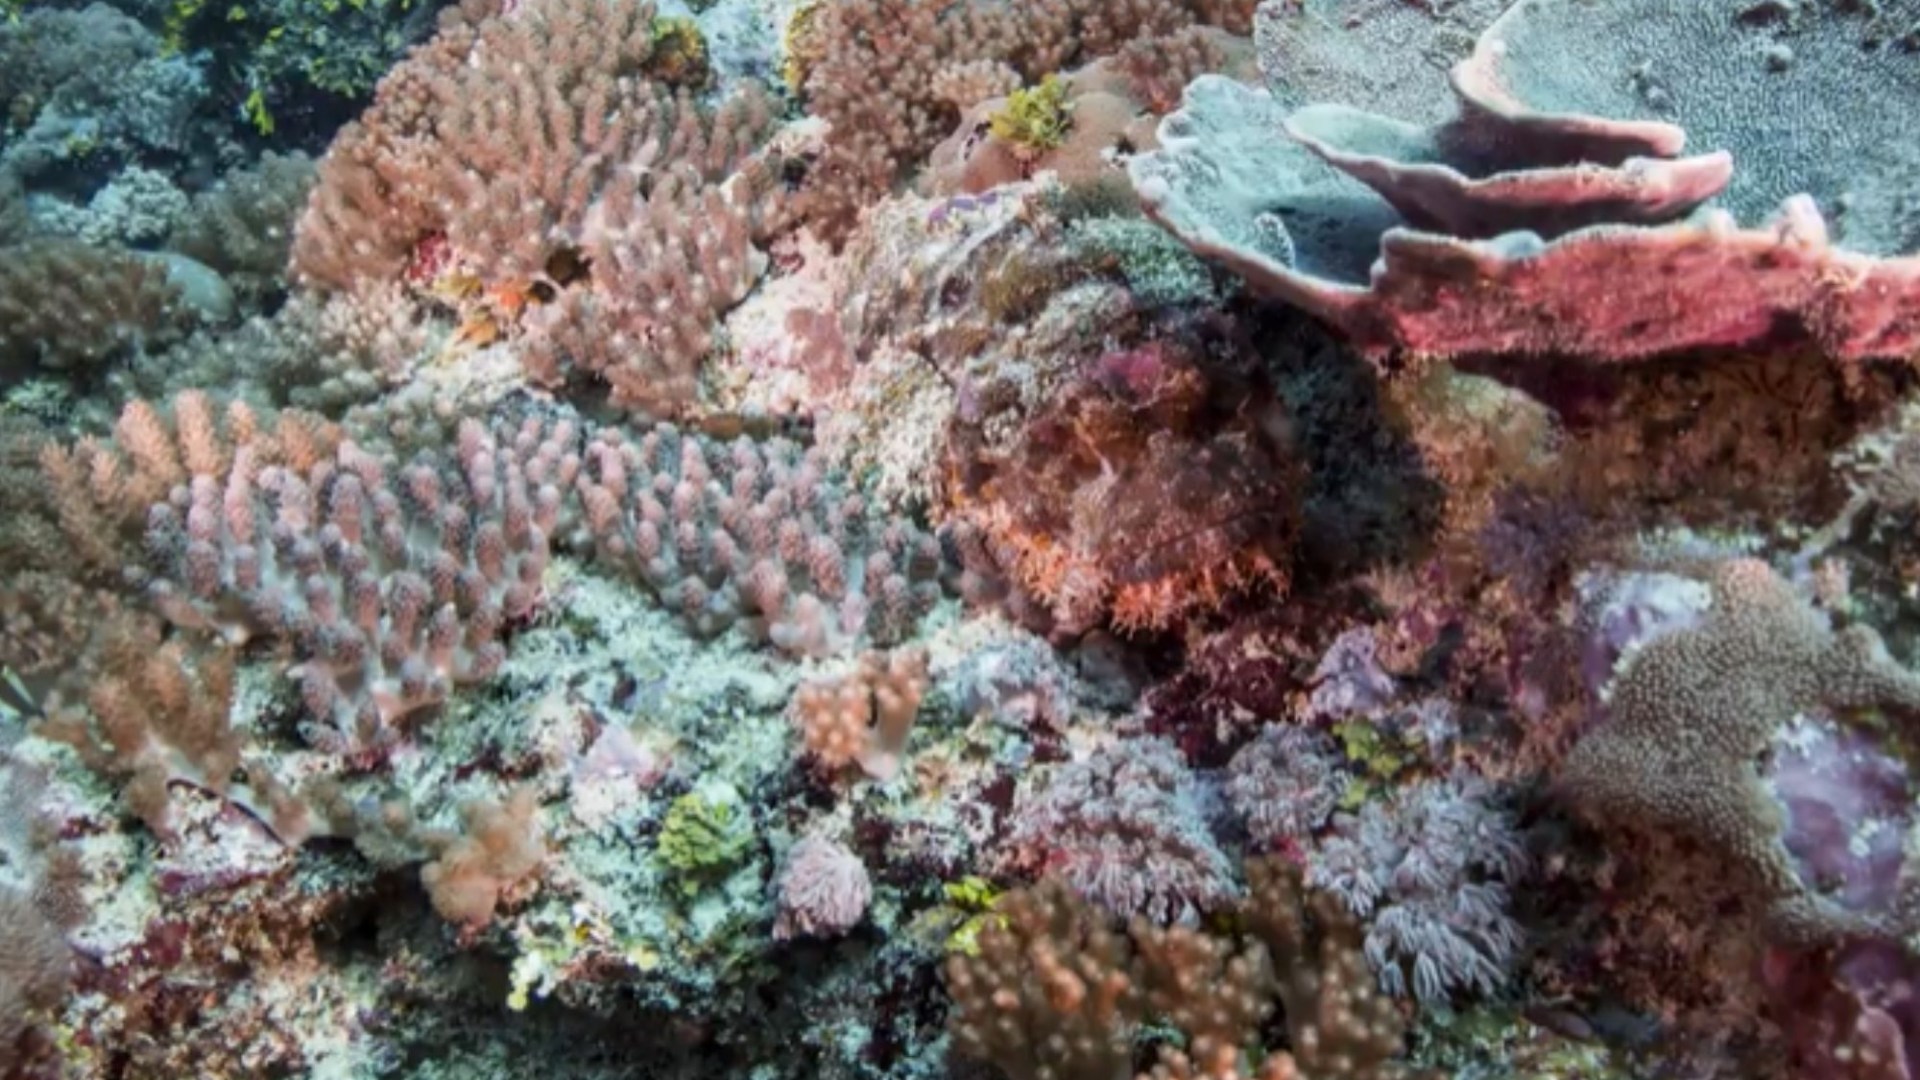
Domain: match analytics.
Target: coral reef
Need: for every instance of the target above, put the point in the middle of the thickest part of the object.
(787, 539)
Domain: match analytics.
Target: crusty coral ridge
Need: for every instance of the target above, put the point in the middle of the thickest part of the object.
(1692, 710)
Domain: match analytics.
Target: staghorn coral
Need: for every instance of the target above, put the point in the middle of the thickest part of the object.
(1691, 709)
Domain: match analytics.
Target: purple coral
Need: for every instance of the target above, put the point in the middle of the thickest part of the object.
(1849, 804)
(1125, 827)
(1285, 783)
(1350, 680)
(1430, 871)
(824, 890)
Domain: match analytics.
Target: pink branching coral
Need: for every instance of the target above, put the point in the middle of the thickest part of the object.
(101, 492)
(390, 585)
(863, 717)
(154, 713)
(758, 534)
(532, 153)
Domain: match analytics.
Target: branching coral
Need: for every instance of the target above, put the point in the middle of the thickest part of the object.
(623, 213)
(100, 493)
(760, 534)
(155, 714)
(1057, 990)
(70, 307)
(390, 585)
(499, 849)
(863, 717)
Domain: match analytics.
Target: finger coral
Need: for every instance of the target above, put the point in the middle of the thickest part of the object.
(625, 209)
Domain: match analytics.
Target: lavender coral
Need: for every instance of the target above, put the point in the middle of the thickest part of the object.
(1124, 828)
(1430, 871)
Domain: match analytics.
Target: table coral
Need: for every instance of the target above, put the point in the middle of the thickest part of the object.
(1546, 178)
